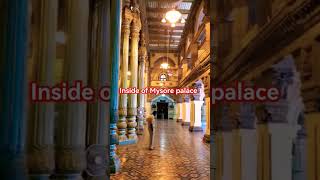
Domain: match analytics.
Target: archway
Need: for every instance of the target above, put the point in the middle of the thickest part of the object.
(164, 105)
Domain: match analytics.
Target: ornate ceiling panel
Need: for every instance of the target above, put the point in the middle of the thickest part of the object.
(162, 36)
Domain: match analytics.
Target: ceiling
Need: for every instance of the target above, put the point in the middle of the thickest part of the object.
(159, 33)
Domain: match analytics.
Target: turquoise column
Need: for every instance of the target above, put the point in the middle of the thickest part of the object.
(115, 58)
(13, 50)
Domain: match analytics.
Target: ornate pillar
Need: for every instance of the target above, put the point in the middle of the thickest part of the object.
(70, 142)
(122, 124)
(283, 118)
(40, 145)
(132, 105)
(186, 111)
(248, 135)
(13, 55)
(146, 103)
(206, 82)
(203, 113)
(196, 103)
(141, 97)
(115, 34)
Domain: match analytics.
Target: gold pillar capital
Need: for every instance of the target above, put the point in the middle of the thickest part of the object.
(127, 19)
(136, 26)
(142, 54)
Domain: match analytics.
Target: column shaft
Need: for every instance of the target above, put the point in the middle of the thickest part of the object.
(206, 136)
(186, 112)
(40, 146)
(299, 161)
(132, 106)
(282, 136)
(249, 141)
(195, 120)
(114, 73)
(178, 112)
(98, 112)
(263, 151)
(180, 116)
(122, 124)
(70, 144)
(227, 148)
(248, 154)
(147, 105)
(196, 104)
(141, 107)
(13, 51)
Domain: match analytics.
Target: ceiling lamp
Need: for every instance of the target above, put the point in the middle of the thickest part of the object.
(163, 20)
(183, 20)
(173, 16)
(164, 65)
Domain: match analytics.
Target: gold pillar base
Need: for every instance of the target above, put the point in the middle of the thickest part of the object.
(122, 126)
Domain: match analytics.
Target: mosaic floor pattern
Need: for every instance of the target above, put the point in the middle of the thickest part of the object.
(178, 154)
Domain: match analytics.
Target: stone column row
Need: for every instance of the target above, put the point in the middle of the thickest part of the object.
(190, 107)
(268, 137)
(67, 157)
(129, 113)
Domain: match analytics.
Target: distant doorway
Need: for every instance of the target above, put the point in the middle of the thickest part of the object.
(162, 110)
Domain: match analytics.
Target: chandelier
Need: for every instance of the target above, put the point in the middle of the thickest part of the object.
(173, 17)
(164, 65)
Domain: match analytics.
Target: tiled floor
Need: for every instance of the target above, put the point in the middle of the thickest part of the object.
(178, 154)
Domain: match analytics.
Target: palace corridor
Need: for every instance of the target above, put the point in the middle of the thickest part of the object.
(62, 131)
(168, 161)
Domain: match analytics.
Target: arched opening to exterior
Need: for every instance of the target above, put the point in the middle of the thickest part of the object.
(164, 105)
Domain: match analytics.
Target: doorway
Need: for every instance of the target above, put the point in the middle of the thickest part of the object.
(162, 109)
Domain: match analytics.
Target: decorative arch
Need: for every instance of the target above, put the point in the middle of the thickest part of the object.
(161, 97)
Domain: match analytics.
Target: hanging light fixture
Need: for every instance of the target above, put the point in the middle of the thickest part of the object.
(163, 20)
(164, 66)
(173, 16)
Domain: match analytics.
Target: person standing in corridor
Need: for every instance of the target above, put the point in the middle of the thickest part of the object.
(151, 128)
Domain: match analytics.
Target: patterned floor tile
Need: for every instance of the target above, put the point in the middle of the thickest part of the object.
(178, 154)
